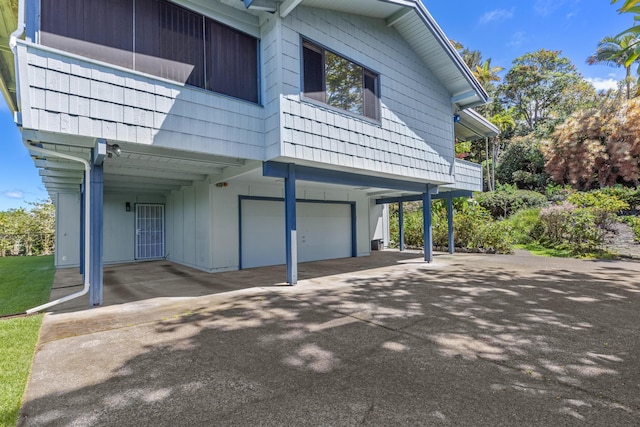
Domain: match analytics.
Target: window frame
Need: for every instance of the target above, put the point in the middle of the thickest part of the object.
(321, 49)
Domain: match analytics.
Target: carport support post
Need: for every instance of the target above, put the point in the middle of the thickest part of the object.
(82, 221)
(96, 227)
(290, 224)
(450, 223)
(400, 226)
(426, 218)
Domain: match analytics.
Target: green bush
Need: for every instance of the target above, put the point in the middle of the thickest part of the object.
(569, 227)
(558, 193)
(522, 163)
(523, 225)
(634, 223)
(631, 196)
(507, 199)
(600, 204)
(474, 227)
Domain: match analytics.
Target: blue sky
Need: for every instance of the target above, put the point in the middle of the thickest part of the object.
(501, 30)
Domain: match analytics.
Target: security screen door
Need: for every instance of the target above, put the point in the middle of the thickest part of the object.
(149, 231)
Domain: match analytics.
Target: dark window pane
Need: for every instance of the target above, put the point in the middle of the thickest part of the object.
(344, 83)
(232, 62)
(98, 29)
(313, 73)
(169, 42)
(370, 95)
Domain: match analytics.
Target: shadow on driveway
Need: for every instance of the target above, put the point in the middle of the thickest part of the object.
(469, 340)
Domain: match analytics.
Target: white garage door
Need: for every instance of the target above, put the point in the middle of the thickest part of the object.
(324, 232)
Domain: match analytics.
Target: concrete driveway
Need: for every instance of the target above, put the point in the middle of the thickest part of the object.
(467, 340)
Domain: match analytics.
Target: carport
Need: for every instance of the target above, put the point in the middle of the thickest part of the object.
(149, 280)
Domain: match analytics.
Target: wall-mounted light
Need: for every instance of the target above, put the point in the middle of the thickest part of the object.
(127, 207)
(113, 149)
(222, 184)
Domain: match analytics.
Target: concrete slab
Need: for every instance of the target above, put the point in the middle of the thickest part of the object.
(467, 340)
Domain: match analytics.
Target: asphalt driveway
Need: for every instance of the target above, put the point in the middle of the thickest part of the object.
(467, 340)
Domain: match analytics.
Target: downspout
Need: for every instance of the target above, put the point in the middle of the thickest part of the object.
(13, 42)
(87, 229)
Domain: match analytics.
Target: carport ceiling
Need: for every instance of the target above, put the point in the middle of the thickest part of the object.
(143, 171)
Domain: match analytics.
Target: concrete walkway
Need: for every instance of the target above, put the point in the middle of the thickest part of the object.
(467, 340)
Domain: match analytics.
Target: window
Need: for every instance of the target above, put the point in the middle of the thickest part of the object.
(170, 42)
(99, 29)
(339, 82)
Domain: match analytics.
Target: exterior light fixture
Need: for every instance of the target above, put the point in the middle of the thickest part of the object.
(127, 206)
(113, 149)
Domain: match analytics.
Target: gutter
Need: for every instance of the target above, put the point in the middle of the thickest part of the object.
(87, 229)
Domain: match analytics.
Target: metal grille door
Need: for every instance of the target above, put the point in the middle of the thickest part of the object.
(149, 231)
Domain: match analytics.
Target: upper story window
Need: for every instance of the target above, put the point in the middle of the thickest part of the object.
(156, 37)
(339, 82)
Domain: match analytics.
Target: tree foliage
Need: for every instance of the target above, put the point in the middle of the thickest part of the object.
(28, 232)
(597, 147)
(543, 87)
(615, 51)
(522, 164)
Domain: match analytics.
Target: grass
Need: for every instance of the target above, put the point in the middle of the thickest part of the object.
(19, 337)
(539, 250)
(25, 282)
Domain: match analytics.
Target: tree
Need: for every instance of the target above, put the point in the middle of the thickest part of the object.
(506, 123)
(486, 74)
(522, 164)
(537, 88)
(597, 147)
(30, 232)
(615, 51)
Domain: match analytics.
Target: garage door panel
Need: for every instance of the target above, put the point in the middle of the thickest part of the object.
(323, 232)
(262, 225)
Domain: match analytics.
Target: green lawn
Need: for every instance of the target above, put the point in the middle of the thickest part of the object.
(25, 282)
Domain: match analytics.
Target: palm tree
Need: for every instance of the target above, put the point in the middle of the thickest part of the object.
(616, 51)
(486, 74)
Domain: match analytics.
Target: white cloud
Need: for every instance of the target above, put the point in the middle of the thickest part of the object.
(546, 7)
(13, 194)
(603, 84)
(496, 15)
(517, 39)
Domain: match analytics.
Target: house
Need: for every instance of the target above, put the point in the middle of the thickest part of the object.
(229, 134)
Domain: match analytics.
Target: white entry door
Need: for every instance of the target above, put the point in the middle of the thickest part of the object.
(149, 231)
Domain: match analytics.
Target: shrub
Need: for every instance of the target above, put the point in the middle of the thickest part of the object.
(634, 223)
(522, 163)
(507, 199)
(631, 196)
(569, 227)
(603, 206)
(523, 225)
(558, 193)
(474, 227)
